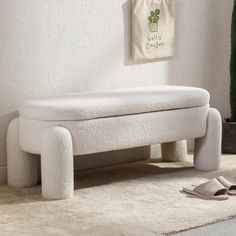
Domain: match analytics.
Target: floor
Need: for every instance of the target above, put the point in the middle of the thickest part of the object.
(225, 228)
(135, 199)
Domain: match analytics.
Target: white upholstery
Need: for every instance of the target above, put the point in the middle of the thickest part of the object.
(83, 123)
(57, 161)
(210, 144)
(90, 105)
(121, 132)
(174, 151)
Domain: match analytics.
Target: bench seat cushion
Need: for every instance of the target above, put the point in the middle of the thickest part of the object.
(119, 102)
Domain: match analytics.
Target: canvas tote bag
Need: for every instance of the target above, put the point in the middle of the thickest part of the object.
(153, 29)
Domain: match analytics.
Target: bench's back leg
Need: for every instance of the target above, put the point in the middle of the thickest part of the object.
(207, 151)
(174, 151)
(22, 167)
(57, 164)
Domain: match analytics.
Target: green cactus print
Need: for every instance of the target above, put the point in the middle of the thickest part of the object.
(153, 19)
(150, 19)
(154, 16)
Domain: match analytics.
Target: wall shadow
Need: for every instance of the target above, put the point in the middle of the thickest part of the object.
(202, 48)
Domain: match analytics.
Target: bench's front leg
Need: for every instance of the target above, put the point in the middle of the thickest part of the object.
(174, 151)
(22, 167)
(207, 151)
(57, 164)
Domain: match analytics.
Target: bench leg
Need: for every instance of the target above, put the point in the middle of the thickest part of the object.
(57, 164)
(22, 167)
(207, 151)
(174, 151)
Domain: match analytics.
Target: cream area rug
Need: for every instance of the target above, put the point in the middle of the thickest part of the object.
(136, 199)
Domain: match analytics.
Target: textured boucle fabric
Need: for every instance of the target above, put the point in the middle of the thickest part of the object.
(63, 126)
(90, 105)
(57, 164)
(207, 150)
(121, 132)
(58, 142)
(174, 151)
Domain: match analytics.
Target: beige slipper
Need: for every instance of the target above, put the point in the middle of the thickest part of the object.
(231, 187)
(211, 190)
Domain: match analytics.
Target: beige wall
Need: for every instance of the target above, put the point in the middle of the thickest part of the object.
(56, 46)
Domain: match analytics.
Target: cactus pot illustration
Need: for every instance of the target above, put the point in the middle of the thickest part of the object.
(153, 20)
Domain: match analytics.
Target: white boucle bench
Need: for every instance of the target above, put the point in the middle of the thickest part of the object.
(83, 123)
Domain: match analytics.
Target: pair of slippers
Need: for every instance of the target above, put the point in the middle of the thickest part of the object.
(214, 189)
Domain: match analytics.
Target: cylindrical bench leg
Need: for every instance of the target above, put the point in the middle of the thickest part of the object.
(22, 168)
(57, 164)
(174, 151)
(207, 151)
